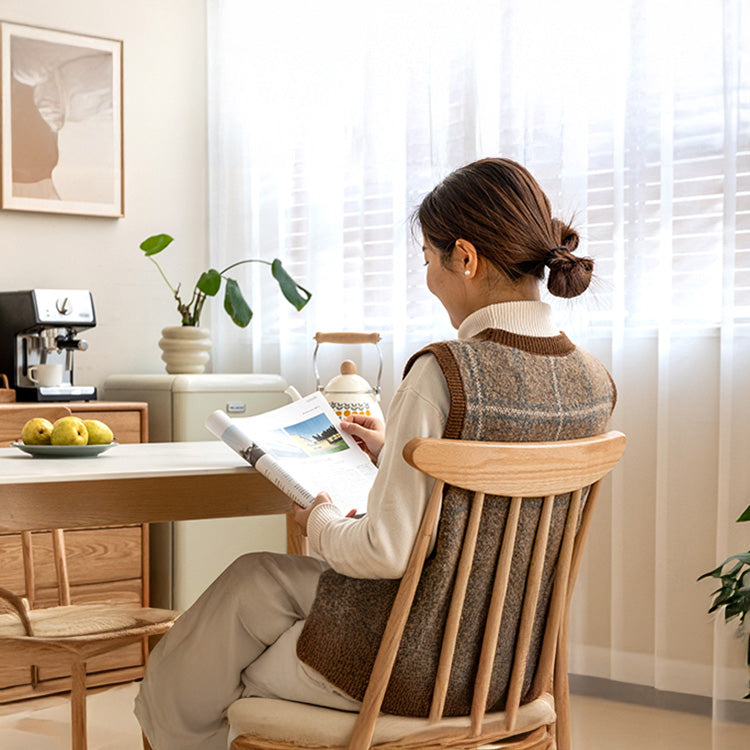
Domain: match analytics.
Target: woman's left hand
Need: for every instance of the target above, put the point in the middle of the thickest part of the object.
(302, 514)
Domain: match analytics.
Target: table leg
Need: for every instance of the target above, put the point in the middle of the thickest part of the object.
(296, 543)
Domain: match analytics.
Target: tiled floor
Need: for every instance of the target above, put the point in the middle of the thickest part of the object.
(607, 725)
(43, 724)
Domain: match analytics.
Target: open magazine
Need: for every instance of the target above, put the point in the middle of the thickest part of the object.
(299, 448)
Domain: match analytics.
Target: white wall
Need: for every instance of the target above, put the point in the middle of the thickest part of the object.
(164, 111)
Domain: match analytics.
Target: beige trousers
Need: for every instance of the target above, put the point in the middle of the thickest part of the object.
(238, 640)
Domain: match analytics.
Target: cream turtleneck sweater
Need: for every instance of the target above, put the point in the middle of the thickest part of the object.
(378, 544)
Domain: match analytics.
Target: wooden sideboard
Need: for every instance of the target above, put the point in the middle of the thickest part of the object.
(105, 564)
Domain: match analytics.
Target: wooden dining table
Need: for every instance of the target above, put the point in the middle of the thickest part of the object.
(135, 483)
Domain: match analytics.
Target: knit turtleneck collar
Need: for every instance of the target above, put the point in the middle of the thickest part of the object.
(523, 317)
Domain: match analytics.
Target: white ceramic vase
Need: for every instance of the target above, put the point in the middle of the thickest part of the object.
(185, 349)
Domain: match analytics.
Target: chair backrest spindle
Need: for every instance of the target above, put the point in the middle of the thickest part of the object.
(456, 608)
(29, 578)
(528, 611)
(494, 615)
(558, 600)
(61, 567)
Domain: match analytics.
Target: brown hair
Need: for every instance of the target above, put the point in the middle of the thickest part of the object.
(498, 206)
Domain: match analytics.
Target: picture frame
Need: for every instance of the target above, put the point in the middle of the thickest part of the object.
(61, 136)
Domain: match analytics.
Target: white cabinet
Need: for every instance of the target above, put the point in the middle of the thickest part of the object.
(188, 555)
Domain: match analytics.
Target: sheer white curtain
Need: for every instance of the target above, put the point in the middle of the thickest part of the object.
(329, 121)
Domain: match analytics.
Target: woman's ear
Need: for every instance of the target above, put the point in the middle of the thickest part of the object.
(465, 256)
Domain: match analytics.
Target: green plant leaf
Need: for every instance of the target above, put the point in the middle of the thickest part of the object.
(745, 515)
(234, 303)
(289, 287)
(715, 573)
(155, 244)
(209, 282)
(731, 574)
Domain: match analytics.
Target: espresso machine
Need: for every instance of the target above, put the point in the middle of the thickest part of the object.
(40, 327)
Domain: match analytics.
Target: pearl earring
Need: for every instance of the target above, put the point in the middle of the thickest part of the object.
(467, 272)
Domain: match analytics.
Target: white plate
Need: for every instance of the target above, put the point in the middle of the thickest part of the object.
(63, 451)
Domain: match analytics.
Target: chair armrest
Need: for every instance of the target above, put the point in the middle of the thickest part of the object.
(18, 605)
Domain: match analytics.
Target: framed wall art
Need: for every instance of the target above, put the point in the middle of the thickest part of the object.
(61, 109)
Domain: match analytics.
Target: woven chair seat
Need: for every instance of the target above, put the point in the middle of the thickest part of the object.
(318, 727)
(87, 620)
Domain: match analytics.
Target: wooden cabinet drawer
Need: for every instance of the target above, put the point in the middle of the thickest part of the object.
(123, 664)
(126, 425)
(127, 656)
(11, 564)
(12, 676)
(128, 420)
(93, 555)
(128, 592)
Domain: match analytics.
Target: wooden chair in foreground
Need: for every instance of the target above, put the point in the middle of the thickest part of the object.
(68, 634)
(521, 473)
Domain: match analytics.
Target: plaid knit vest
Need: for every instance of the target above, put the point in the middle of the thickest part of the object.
(503, 387)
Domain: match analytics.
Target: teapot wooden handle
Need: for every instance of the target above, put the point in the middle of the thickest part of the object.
(347, 337)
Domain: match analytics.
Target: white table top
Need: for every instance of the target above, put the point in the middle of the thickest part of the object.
(124, 461)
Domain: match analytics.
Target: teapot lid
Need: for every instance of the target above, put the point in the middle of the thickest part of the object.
(348, 381)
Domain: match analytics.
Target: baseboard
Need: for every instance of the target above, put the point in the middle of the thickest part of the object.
(736, 711)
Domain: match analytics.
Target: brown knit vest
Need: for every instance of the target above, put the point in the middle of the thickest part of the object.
(503, 387)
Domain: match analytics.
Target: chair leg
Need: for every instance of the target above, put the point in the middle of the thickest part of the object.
(562, 692)
(78, 705)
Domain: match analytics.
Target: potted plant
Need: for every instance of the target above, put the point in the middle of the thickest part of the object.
(733, 593)
(185, 348)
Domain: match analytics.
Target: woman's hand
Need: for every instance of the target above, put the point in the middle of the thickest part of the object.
(302, 514)
(369, 433)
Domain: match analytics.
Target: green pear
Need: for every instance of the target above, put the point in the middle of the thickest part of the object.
(69, 431)
(99, 433)
(37, 431)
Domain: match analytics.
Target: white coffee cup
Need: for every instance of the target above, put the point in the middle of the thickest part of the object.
(45, 375)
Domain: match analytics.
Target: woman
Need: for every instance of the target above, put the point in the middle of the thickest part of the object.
(306, 629)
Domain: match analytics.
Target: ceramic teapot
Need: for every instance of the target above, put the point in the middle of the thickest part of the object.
(349, 393)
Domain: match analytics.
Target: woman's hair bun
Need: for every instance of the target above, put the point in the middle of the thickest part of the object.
(568, 236)
(569, 275)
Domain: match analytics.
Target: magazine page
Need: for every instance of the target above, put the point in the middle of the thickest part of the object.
(300, 449)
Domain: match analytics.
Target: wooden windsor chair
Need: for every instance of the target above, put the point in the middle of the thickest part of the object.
(66, 635)
(522, 473)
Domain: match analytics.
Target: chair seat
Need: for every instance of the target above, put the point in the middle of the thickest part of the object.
(83, 620)
(315, 726)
